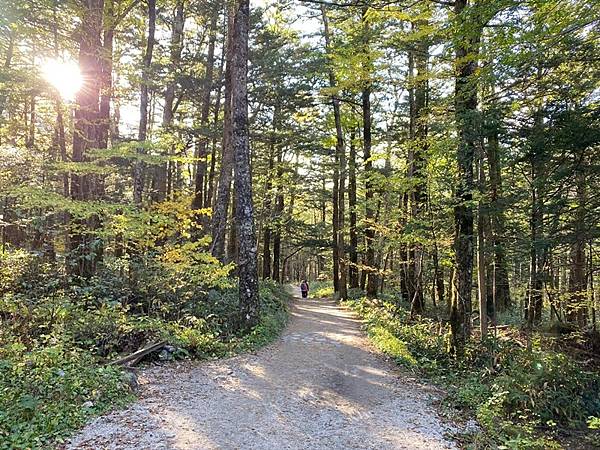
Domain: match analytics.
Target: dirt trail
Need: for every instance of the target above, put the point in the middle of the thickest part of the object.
(320, 386)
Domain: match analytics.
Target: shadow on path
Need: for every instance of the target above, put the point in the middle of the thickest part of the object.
(320, 386)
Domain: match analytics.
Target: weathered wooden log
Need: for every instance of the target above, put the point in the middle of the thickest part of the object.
(136, 357)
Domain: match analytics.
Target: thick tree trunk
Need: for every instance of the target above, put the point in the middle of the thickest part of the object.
(579, 303)
(372, 276)
(247, 257)
(417, 169)
(86, 130)
(533, 310)
(468, 130)
(353, 266)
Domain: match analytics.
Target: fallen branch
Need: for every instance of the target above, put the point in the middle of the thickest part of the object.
(136, 357)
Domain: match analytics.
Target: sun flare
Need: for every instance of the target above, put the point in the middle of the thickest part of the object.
(64, 76)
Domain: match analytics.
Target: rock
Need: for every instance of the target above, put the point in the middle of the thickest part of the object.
(471, 427)
(88, 405)
(130, 379)
(165, 355)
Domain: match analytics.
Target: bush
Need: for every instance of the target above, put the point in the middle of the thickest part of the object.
(57, 333)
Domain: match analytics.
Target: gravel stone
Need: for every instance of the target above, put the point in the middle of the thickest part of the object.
(320, 386)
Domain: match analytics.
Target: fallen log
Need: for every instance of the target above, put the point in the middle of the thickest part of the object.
(136, 357)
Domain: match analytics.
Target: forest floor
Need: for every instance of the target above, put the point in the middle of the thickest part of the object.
(320, 386)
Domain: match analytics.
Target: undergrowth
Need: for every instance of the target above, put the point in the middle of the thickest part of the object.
(522, 398)
(321, 289)
(57, 339)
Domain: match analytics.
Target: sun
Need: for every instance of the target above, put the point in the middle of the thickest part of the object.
(64, 76)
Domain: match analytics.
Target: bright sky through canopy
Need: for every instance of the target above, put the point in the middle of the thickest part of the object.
(64, 76)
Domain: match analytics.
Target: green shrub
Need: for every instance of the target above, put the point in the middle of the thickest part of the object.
(57, 334)
(47, 392)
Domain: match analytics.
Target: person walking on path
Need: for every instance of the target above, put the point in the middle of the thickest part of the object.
(304, 288)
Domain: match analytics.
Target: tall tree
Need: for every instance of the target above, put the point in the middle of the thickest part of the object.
(372, 275)
(465, 103)
(202, 145)
(87, 130)
(247, 264)
(221, 206)
(138, 171)
(159, 180)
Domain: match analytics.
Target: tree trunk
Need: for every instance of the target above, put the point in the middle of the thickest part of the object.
(353, 266)
(86, 130)
(417, 168)
(343, 285)
(481, 251)
(578, 304)
(210, 192)
(501, 287)
(247, 257)
(221, 206)
(279, 208)
(468, 129)
(372, 276)
(533, 312)
(138, 174)
(159, 179)
(267, 212)
(7, 63)
(202, 149)
(339, 150)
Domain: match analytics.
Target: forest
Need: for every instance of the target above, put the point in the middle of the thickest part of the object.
(168, 168)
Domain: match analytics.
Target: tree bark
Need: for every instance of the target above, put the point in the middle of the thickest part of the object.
(159, 180)
(247, 256)
(533, 310)
(578, 304)
(279, 209)
(372, 276)
(268, 213)
(467, 128)
(481, 250)
(501, 287)
(353, 251)
(210, 192)
(417, 168)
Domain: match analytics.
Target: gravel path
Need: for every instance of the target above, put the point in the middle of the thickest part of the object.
(320, 386)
